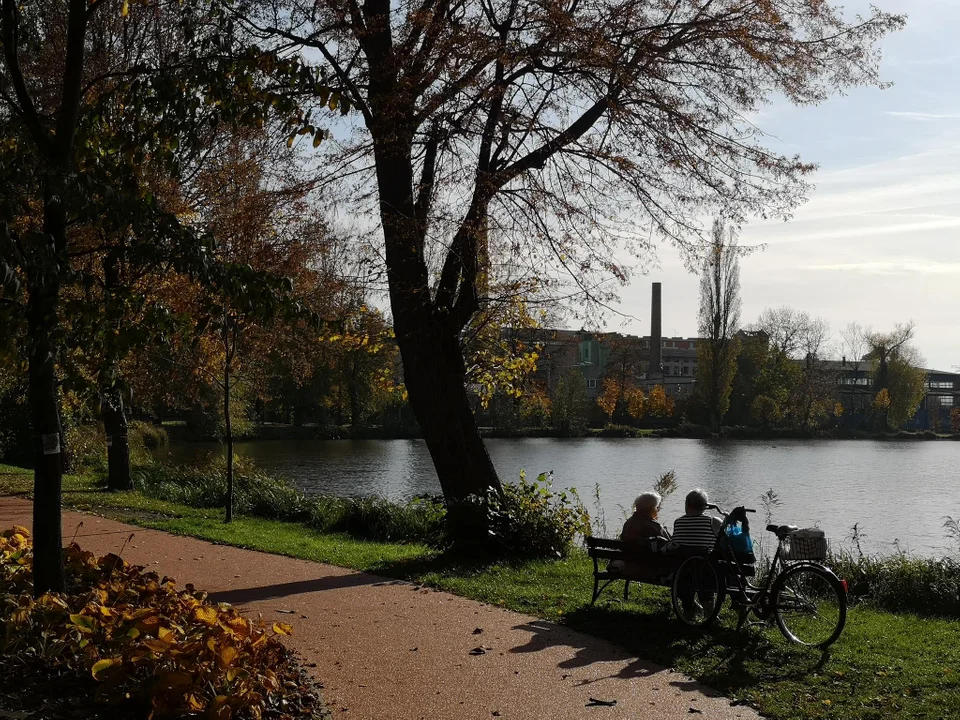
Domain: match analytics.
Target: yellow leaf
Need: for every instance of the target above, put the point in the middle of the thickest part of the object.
(166, 635)
(239, 625)
(205, 615)
(102, 666)
(125, 10)
(157, 646)
(228, 655)
(281, 628)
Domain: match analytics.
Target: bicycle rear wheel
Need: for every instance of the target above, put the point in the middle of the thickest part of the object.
(697, 592)
(810, 605)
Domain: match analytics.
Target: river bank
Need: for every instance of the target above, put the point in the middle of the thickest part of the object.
(180, 432)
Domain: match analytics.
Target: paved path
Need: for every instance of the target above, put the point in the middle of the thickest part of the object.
(388, 649)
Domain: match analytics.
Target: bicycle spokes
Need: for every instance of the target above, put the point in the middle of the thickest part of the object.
(809, 607)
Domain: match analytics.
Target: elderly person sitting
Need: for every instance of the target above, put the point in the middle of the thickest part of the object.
(643, 523)
(694, 529)
(640, 526)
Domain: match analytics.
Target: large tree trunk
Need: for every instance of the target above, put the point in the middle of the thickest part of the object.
(433, 370)
(44, 293)
(428, 338)
(118, 445)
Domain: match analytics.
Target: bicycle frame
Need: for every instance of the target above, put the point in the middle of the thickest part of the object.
(745, 594)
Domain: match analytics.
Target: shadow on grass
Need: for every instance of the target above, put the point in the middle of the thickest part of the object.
(724, 659)
(439, 563)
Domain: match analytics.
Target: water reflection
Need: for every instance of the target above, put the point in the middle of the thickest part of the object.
(897, 491)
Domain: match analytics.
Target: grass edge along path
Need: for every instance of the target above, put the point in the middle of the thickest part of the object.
(885, 665)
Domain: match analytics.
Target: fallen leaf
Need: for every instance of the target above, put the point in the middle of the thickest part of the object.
(604, 703)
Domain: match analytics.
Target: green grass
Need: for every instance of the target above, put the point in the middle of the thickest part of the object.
(885, 665)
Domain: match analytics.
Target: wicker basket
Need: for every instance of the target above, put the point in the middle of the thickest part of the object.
(800, 547)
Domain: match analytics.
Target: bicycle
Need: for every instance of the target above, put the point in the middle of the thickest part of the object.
(805, 597)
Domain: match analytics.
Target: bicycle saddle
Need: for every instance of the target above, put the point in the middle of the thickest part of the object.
(782, 530)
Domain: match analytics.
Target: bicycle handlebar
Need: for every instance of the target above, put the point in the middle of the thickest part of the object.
(725, 513)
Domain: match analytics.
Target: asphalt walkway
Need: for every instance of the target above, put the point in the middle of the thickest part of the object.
(389, 649)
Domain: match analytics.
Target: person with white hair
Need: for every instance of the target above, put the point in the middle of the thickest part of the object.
(694, 528)
(643, 523)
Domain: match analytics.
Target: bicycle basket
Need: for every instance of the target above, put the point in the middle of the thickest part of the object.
(804, 547)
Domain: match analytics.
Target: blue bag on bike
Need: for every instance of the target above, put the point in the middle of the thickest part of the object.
(740, 541)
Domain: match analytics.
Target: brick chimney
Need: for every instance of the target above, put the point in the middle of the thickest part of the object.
(656, 339)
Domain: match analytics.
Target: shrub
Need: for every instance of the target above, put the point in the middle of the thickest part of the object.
(142, 640)
(85, 447)
(902, 583)
(531, 520)
(420, 520)
(147, 435)
(528, 520)
(259, 495)
(255, 492)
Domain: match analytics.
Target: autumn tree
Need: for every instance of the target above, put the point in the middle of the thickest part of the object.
(796, 337)
(70, 164)
(637, 402)
(659, 403)
(897, 370)
(719, 320)
(568, 404)
(545, 136)
(621, 374)
(611, 393)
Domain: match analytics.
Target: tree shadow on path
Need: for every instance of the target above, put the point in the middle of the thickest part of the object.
(282, 590)
(588, 651)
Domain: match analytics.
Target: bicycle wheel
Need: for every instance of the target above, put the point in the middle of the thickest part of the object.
(697, 592)
(810, 605)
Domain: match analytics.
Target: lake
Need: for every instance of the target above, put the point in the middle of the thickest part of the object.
(897, 491)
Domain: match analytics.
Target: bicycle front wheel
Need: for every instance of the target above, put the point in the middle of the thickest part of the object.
(697, 592)
(810, 606)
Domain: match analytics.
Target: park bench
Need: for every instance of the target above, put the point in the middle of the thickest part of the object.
(641, 561)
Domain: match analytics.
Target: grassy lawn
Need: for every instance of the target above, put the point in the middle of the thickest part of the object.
(884, 665)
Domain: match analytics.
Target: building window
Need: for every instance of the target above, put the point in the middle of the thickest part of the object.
(946, 401)
(940, 385)
(683, 371)
(591, 382)
(855, 381)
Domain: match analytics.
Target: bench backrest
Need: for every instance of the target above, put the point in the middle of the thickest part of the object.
(619, 549)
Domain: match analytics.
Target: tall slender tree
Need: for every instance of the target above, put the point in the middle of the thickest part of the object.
(719, 321)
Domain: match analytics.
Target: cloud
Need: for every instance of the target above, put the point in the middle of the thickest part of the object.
(922, 116)
(905, 266)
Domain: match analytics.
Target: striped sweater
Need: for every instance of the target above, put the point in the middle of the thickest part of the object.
(696, 530)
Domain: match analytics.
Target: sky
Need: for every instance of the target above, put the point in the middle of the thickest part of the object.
(878, 242)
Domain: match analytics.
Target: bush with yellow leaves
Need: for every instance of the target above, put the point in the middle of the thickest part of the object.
(143, 640)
